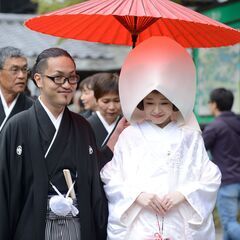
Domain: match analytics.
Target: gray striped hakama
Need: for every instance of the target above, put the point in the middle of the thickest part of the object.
(62, 228)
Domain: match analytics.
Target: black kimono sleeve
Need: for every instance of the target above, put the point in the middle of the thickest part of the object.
(99, 201)
(105, 155)
(4, 188)
(10, 183)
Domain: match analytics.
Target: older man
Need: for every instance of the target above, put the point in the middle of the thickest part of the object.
(13, 80)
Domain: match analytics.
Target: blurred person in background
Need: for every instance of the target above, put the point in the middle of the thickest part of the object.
(109, 111)
(13, 81)
(87, 96)
(76, 105)
(222, 139)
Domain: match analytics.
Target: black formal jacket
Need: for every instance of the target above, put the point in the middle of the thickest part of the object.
(23, 103)
(98, 129)
(222, 139)
(25, 173)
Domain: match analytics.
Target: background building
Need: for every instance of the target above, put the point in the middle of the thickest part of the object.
(17, 6)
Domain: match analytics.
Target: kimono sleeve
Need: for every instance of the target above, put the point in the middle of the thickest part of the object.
(105, 155)
(121, 189)
(201, 190)
(10, 179)
(98, 198)
(5, 147)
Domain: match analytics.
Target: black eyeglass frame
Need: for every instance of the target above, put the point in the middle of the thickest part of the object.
(64, 79)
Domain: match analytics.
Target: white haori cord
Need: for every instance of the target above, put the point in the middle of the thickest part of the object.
(61, 205)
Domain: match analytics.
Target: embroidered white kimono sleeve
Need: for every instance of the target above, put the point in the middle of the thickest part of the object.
(154, 160)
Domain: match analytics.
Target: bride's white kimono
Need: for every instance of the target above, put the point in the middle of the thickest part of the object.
(157, 160)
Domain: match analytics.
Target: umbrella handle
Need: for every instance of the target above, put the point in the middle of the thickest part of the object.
(134, 33)
(134, 40)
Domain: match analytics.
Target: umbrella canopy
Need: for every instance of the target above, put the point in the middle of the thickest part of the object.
(127, 22)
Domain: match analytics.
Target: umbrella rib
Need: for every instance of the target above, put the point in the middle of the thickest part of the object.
(116, 34)
(159, 27)
(97, 5)
(170, 8)
(235, 36)
(179, 11)
(76, 8)
(144, 7)
(51, 22)
(126, 22)
(212, 39)
(121, 3)
(145, 22)
(130, 8)
(75, 23)
(149, 31)
(123, 6)
(168, 26)
(164, 7)
(200, 32)
(87, 23)
(100, 4)
(189, 32)
(106, 29)
(154, 4)
(100, 26)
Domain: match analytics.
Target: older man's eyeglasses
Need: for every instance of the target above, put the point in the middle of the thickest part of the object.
(60, 80)
(17, 70)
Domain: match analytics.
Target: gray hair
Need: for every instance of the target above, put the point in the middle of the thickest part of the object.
(9, 52)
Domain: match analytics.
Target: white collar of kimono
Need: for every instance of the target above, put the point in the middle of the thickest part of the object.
(152, 132)
(161, 64)
(7, 109)
(108, 127)
(56, 121)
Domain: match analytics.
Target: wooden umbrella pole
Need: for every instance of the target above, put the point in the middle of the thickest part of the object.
(134, 33)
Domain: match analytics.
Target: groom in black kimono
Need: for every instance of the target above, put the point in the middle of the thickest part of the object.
(13, 81)
(38, 144)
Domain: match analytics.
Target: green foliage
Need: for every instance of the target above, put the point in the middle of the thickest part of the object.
(45, 6)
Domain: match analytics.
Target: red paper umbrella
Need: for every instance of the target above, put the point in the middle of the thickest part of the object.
(127, 22)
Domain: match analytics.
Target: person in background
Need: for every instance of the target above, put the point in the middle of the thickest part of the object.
(13, 81)
(37, 200)
(160, 183)
(87, 96)
(222, 139)
(76, 105)
(109, 108)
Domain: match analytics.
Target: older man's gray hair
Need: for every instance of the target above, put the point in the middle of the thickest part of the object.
(9, 52)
